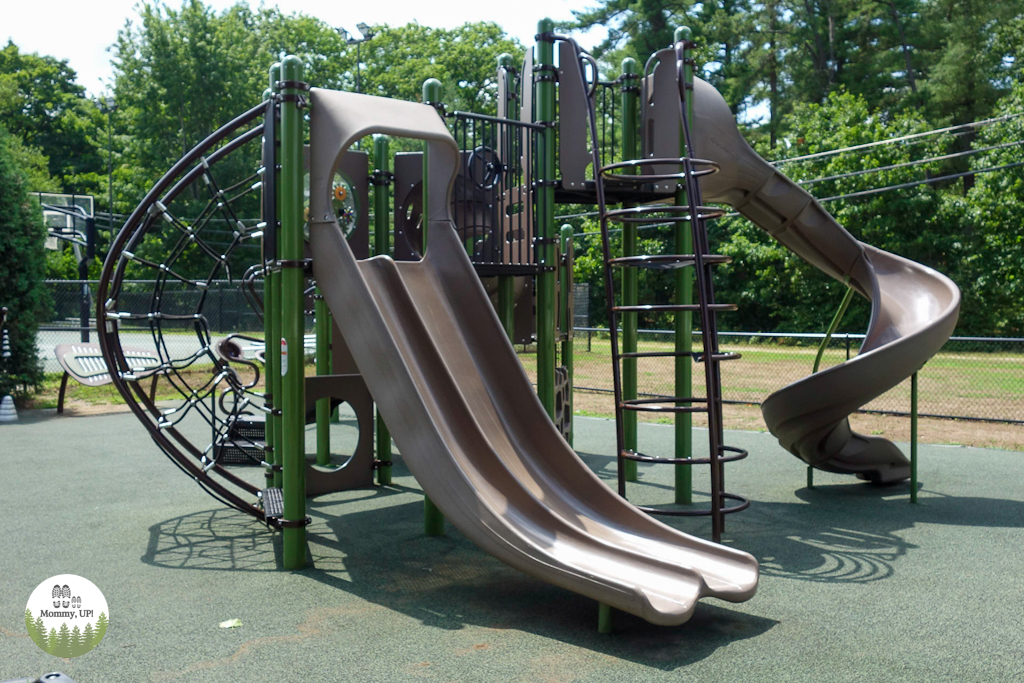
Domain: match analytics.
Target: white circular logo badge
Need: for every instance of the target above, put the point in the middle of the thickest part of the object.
(66, 615)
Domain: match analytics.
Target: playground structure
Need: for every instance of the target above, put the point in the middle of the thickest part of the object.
(423, 329)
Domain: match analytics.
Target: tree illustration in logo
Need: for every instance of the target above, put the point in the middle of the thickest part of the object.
(101, 628)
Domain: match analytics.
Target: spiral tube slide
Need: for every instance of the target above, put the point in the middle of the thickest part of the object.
(913, 308)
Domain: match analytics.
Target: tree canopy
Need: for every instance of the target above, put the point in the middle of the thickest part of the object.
(803, 76)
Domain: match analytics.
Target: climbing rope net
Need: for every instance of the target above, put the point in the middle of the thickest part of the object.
(199, 226)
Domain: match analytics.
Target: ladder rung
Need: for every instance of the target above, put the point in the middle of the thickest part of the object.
(742, 504)
(640, 214)
(667, 261)
(644, 308)
(738, 454)
(705, 168)
(655, 405)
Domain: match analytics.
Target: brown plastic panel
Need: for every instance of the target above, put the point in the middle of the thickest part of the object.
(465, 417)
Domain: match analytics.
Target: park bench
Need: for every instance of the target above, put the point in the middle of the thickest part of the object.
(85, 363)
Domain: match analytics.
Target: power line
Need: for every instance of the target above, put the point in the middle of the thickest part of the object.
(926, 181)
(902, 138)
(851, 195)
(907, 164)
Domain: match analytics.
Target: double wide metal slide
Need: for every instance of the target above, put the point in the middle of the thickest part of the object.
(463, 413)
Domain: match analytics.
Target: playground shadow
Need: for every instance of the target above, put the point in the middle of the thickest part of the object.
(381, 555)
(852, 533)
(833, 533)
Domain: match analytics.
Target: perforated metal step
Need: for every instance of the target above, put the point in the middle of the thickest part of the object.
(243, 444)
(273, 503)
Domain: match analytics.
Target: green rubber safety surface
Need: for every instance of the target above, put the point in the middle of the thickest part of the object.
(856, 583)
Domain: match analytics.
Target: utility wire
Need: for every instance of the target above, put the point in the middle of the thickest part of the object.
(850, 195)
(907, 164)
(851, 174)
(926, 181)
(902, 138)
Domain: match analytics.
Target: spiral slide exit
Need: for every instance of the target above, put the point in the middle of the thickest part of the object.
(913, 308)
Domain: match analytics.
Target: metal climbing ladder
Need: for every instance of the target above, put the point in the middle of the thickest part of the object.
(687, 208)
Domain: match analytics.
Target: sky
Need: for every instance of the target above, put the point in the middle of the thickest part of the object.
(81, 32)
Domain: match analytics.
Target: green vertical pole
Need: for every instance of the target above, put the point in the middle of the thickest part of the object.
(272, 317)
(268, 334)
(292, 305)
(604, 618)
(630, 99)
(832, 327)
(507, 304)
(684, 321)
(507, 283)
(913, 438)
(567, 319)
(433, 520)
(335, 419)
(323, 367)
(382, 247)
(545, 219)
(432, 94)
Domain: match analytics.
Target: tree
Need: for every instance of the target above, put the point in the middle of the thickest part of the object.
(22, 265)
(41, 104)
(88, 636)
(30, 625)
(41, 630)
(63, 648)
(76, 646)
(101, 629)
(465, 60)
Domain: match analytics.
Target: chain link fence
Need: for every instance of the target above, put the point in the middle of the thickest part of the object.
(72, 317)
(975, 378)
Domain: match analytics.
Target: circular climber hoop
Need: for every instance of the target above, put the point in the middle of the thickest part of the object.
(705, 167)
(194, 236)
(659, 212)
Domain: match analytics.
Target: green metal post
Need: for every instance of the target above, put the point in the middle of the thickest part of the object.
(432, 94)
(507, 283)
(546, 218)
(323, 367)
(604, 618)
(335, 417)
(630, 100)
(913, 438)
(382, 247)
(272, 318)
(433, 520)
(292, 305)
(566, 318)
(507, 304)
(832, 327)
(684, 321)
